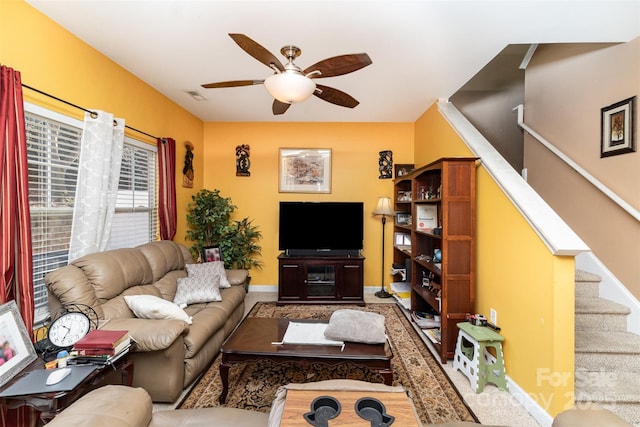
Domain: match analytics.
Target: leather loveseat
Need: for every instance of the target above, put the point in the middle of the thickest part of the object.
(169, 353)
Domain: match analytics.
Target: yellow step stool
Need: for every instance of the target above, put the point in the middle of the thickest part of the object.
(473, 358)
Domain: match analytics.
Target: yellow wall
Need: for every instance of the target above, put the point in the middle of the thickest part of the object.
(54, 61)
(355, 148)
(531, 290)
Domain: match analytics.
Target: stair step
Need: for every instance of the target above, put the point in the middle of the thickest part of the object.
(607, 357)
(600, 314)
(587, 284)
(609, 350)
(602, 387)
(616, 391)
(600, 306)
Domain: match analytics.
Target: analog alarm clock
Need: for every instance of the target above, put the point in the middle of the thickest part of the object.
(68, 328)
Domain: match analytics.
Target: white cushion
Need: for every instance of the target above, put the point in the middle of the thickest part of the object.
(191, 290)
(209, 269)
(153, 307)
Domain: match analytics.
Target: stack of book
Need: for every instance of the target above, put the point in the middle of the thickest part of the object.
(425, 320)
(402, 293)
(100, 347)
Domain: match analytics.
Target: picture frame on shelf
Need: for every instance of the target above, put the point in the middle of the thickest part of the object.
(17, 349)
(617, 128)
(402, 239)
(404, 196)
(427, 217)
(402, 169)
(305, 170)
(211, 253)
(403, 218)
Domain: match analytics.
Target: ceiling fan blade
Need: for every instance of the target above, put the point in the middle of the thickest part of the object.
(233, 83)
(279, 107)
(339, 65)
(335, 96)
(257, 51)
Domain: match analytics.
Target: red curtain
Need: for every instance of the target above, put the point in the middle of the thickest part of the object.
(167, 197)
(16, 264)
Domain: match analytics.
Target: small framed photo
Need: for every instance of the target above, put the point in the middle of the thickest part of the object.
(17, 350)
(403, 169)
(403, 218)
(404, 196)
(402, 239)
(211, 253)
(305, 170)
(617, 125)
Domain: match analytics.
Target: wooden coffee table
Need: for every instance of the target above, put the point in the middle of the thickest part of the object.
(254, 338)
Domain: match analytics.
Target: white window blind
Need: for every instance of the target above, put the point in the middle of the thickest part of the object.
(53, 145)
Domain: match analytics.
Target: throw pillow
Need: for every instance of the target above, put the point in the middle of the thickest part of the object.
(191, 290)
(356, 326)
(153, 307)
(209, 269)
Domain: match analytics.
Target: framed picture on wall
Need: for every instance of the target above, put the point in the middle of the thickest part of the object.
(305, 170)
(617, 125)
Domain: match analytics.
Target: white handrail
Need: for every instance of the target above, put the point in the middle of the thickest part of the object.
(576, 167)
(553, 231)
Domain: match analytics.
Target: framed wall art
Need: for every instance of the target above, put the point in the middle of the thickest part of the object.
(305, 170)
(617, 125)
(17, 350)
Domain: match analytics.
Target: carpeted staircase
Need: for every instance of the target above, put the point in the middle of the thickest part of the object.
(607, 357)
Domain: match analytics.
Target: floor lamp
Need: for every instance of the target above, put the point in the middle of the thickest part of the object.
(383, 208)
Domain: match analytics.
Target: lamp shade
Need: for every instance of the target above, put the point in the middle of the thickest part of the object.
(384, 207)
(289, 87)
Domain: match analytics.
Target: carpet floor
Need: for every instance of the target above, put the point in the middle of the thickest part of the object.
(253, 385)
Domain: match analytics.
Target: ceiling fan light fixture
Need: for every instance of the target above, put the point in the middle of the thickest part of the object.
(290, 87)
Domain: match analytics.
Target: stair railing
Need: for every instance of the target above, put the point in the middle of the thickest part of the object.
(559, 238)
(576, 167)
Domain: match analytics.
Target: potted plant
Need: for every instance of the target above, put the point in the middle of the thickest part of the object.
(210, 223)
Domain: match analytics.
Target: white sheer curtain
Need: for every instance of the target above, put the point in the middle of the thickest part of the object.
(97, 187)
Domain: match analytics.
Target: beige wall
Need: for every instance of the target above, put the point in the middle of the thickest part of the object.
(565, 88)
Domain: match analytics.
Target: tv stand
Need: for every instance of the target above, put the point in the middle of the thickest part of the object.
(320, 279)
(322, 253)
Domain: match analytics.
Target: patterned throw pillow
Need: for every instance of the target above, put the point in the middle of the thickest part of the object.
(153, 307)
(191, 290)
(209, 269)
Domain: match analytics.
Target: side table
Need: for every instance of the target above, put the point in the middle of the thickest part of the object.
(50, 403)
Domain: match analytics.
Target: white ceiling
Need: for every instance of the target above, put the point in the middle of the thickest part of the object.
(421, 50)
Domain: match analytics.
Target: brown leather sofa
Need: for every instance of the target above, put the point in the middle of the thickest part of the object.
(120, 406)
(169, 354)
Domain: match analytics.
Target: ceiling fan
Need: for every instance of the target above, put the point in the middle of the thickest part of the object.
(290, 84)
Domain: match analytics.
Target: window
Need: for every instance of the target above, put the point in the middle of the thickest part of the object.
(53, 146)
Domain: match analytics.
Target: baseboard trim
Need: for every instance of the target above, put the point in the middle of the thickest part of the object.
(263, 288)
(529, 404)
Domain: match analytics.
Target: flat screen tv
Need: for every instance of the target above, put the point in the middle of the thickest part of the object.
(321, 228)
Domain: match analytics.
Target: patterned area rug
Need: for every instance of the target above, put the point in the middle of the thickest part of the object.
(253, 385)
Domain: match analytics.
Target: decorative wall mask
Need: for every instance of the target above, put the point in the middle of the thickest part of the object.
(187, 171)
(385, 164)
(242, 160)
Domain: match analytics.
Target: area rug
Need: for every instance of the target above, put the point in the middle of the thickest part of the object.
(253, 385)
